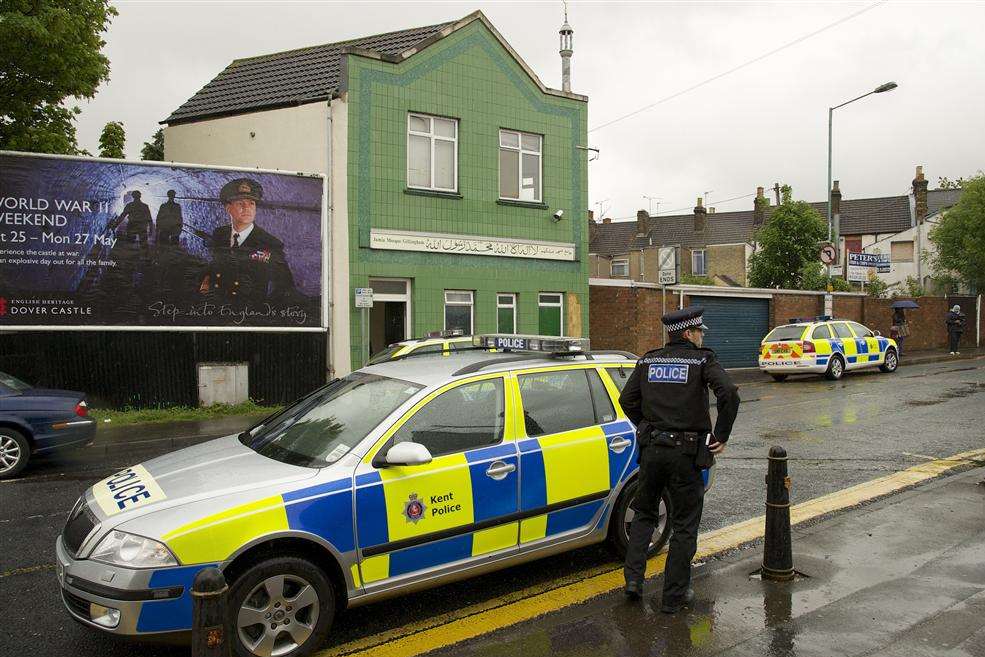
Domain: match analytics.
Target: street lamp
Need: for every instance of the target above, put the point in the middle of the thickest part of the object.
(889, 86)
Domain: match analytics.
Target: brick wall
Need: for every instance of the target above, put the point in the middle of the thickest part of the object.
(785, 307)
(848, 308)
(927, 327)
(625, 318)
(727, 260)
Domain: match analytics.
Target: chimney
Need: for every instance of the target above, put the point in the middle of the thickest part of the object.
(835, 199)
(642, 225)
(711, 210)
(567, 49)
(759, 206)
(607, 220)
(920, 197)
(700, 216)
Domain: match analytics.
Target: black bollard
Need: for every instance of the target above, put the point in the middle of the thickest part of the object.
(777, 553)
(209, 636)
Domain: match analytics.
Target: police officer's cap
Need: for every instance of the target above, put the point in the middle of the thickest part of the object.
(685, 318)
(241, 188)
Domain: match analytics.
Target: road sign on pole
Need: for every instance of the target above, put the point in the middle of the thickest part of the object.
(667, 264)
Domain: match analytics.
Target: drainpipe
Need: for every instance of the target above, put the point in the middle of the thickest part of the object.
(327, 243)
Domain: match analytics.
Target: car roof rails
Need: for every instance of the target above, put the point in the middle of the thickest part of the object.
(533, 347)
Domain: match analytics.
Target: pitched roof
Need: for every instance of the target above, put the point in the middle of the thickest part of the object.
(864, 216)
(289, 78)
(941, 199)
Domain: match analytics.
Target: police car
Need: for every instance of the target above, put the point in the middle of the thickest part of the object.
(400, 476)
(825, 346)
(443, 342)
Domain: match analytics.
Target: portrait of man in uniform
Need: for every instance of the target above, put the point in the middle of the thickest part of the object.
(248, 263)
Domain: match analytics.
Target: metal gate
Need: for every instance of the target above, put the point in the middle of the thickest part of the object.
(736, 326)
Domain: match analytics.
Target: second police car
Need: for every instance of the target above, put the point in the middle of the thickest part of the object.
(400, 476)
(825, 346)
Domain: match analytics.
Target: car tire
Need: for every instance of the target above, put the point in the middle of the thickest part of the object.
(268, 587)
(836, 368)
(623, 515)
(779, 378)
(891, 363)
(15, 452)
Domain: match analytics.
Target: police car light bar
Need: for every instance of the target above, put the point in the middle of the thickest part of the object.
(542, 343)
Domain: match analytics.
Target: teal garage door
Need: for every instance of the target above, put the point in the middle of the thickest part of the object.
(736, 326)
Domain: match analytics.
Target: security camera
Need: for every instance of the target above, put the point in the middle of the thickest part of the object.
(558, 215)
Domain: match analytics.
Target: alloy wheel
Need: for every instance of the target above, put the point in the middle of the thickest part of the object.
(658, 529)
(278, 615)
(10, 453)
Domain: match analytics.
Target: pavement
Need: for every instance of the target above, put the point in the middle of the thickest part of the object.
(901, 577)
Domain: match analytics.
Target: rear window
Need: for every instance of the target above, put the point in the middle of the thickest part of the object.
(841, 330)
(783, 333)
(822, 332)
(619, 375)
(556, 401)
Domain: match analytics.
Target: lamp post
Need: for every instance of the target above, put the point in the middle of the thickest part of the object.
(833, 234)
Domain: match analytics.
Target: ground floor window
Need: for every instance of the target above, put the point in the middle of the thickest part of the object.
(550, 306)
(505, 313)
(458, 310)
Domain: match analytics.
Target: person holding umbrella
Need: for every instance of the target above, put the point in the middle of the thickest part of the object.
(900, 329)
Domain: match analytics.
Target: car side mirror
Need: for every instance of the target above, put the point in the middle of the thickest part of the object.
(407, 454)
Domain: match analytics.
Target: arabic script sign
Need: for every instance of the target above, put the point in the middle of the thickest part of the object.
(399, 240)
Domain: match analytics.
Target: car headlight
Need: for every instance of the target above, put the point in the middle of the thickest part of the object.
(130, 551)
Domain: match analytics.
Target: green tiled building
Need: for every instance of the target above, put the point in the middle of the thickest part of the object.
(457, 180)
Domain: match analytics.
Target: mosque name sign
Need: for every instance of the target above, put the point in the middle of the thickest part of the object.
(399, 240)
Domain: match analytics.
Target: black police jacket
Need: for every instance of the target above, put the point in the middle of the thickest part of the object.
(669, 390)
(254, 272)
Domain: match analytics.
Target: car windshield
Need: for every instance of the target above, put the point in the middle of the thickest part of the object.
(788, 332)
(322, 427)
(13, 383)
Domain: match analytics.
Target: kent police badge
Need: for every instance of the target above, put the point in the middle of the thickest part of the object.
(414, 508)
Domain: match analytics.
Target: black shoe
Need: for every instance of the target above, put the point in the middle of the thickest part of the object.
(633, 590)
(674, 607)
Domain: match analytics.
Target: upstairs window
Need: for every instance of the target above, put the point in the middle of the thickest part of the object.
(699, 265)
(432, 153)
(520, 166)
(620, 268)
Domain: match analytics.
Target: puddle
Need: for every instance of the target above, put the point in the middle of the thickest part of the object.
(791, 435)
(970, 388)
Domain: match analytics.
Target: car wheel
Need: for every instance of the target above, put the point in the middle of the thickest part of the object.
(779, 377)
(623, 518)
(836, 368)
(15, 450)
(891, 362)
(281, 606)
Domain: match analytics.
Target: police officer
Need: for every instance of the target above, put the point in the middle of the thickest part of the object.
(666, 397)
(169, 220)
(248, 265)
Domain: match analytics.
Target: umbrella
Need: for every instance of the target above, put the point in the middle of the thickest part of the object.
(905, 303)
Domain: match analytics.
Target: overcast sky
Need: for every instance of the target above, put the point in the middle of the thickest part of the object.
(764, 123)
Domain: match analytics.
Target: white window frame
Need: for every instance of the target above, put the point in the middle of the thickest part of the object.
(432, 137)
(519, 170)
(551, 304)
(405, 298)
(511, 305)
(619, 261)
(704, 262)
(470, 304)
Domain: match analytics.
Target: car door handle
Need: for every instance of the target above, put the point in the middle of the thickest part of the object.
(619, 444)
(498, 470)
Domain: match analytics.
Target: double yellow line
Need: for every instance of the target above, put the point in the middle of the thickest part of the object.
(482, 618)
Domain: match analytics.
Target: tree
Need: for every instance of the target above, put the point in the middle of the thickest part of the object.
(154, 149)
(876, 287)
(960, 236)
(113, 140)
(788, 244)
(50, 52)
(943, 182)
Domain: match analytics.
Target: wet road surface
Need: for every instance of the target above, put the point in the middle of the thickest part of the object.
(837, 434)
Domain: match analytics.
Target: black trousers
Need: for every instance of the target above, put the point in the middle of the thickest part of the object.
(666, 468)
(954, 337)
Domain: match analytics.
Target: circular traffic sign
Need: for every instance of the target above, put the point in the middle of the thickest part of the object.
(828, 254)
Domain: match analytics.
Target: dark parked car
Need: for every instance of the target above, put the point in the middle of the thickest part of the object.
(36, 420)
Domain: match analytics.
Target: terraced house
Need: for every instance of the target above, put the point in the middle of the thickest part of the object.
(457, 180)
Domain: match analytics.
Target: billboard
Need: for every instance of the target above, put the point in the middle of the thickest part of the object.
(861, 264)
(87, 243)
